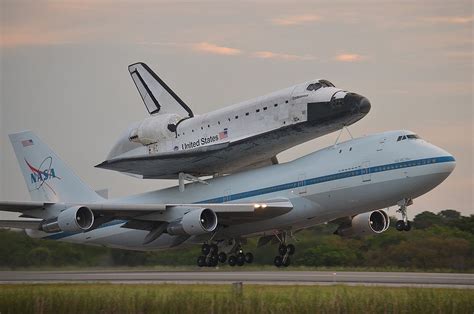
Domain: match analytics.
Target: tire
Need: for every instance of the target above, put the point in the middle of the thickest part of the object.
(287, 262)
(282, 249)
(407, 226)
(277, 261)
(201, 261)
(222, 257)
(400, 225)
(213, 261)
(291, 249)
(249, 258)
(214, 248)
(232, 260)
(240, 259)
(205, 249)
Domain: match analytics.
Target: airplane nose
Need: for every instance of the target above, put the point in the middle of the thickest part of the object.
(357, 102)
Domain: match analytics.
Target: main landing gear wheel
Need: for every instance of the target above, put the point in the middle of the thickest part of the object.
(248, 258)
(240, 258)
(210, 257)
(278, 261)
(201, 261)
(222, 257)
(232, 260)
(284, 251)
(404, 224)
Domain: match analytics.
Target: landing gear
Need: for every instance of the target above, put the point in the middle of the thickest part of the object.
(211, 257)
(240, 258)
(404, 224)
(284, 251)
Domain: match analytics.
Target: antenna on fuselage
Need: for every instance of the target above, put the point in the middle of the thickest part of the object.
(347, 129)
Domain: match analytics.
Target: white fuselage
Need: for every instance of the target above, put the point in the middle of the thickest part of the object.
(349, 178)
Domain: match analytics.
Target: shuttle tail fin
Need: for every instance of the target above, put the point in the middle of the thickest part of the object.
(46, 176)
(156, 95)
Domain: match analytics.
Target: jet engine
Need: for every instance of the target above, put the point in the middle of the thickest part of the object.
(73, 219)
(374, 222)
(195, 222)
(154, 128)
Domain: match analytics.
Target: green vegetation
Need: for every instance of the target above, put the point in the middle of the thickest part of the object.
(443, 241)
(109, 298)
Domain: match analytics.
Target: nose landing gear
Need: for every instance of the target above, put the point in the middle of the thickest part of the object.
(404, 224)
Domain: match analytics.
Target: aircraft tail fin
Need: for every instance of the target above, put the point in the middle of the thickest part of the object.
(46, 176)
(156, 95)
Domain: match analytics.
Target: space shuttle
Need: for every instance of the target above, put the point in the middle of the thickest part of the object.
(174, 141)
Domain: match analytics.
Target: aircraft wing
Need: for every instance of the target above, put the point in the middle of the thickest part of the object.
(228, 213)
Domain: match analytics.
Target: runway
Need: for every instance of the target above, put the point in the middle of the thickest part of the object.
(250, 277)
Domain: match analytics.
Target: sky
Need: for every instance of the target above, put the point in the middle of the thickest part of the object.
(64, 73)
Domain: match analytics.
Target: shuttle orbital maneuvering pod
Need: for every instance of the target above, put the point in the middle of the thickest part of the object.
(351, 182)
(247, 135)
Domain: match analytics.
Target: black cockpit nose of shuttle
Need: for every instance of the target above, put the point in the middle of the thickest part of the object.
(357, 102)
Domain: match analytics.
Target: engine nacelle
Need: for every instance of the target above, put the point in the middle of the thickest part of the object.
(195, 222)
(154, 128)
(73, 219)
(374, 222)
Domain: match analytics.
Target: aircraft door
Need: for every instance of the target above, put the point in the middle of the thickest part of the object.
(227, 194)
(365, 171)
(301, 185)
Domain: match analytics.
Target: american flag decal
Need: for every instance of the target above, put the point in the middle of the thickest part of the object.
(26, 143)
(223, 134)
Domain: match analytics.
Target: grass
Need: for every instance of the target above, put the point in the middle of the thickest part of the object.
(170, 298)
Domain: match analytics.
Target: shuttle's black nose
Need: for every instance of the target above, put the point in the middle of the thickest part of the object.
(364, 105)
(357, 102)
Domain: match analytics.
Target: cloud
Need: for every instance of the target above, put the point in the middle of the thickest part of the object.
(276, 55)
(206, 47)
(29, 37)
(296, 19)
(450, 19)
(349, 57)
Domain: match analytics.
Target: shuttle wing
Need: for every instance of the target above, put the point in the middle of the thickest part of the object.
(222, 158)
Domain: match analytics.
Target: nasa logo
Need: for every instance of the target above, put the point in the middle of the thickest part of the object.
(45, 172)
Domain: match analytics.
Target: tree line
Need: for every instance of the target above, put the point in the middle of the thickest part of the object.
(444, 240)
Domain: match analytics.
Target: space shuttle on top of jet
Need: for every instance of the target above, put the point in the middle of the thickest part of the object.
(173, 141)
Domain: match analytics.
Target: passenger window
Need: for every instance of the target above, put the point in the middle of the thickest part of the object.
(264, 108)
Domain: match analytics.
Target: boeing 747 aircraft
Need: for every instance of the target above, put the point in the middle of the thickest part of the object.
(352, 181)
(243, 136)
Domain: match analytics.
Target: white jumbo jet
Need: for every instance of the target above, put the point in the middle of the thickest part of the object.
(351, 181)
(243, 136)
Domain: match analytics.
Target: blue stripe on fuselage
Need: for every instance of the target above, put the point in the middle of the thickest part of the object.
(294, 185)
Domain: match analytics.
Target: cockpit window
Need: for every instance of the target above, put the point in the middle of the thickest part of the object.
(313, 87)
(326, 83)
(409, 136)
